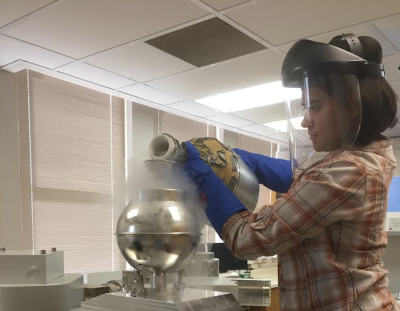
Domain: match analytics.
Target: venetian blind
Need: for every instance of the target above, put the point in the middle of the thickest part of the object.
(182, 128)
(77, 158)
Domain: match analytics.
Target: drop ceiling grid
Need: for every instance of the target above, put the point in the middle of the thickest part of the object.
(390, 27)
(260, 129)
(12, 50)
(139, 61)
(12, 10)
(95, 75)
(265, 17)
(220, 5)
(62, 23)
(195, 109)
(279, 138)
(246, 71)
(230, 120)
(392, 67)
(365, 29)
(151, 94)
(263, 114)
(173, 85)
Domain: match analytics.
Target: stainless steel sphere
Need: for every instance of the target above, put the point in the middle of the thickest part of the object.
(159, 233)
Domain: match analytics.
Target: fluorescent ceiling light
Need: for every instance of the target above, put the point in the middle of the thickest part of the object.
(251, 97)
(282, 125)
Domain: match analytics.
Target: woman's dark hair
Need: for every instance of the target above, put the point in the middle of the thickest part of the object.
(378, 99)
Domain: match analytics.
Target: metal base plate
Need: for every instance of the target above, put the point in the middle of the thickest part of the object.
(62, 294)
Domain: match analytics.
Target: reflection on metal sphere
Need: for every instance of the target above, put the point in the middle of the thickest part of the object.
(159, 233)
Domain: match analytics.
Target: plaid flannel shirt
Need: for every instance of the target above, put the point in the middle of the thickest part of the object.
(329, 232)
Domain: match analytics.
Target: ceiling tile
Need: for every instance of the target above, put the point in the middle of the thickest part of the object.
(151, 94)
(95, 75)
(392, 67)
(280, 137)
(396, 86)
(215, 41)
(139, 61)
(260, 130)
(263, 114)
(254, 69)
(366, 29)
(299, 19)
(390, 27)
(230, 120)
(195, 109)
(12, 10)
(113, 34)
(80, 28)
(12, 50)
(220, 5)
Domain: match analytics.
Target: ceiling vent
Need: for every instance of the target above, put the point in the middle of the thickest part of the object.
(206, 43)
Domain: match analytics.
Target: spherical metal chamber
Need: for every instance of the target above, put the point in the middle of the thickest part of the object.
(158, 233)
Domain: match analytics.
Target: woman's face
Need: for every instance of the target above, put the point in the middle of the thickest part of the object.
(322, 120)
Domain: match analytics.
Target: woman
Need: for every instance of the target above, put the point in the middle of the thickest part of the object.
(329, 227)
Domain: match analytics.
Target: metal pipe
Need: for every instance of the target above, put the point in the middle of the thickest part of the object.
(165, 147)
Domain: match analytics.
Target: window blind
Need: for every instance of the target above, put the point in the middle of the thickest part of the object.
(255, 145)
(184, 129)
(76, 139)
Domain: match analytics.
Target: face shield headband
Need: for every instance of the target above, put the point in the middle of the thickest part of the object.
(308, 58)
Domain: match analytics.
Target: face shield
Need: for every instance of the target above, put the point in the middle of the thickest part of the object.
(326, 117)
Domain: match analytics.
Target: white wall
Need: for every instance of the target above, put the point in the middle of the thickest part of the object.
(10, 233)
(391, 258)
(396, 150)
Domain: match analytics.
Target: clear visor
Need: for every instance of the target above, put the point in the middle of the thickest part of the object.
(325, 119)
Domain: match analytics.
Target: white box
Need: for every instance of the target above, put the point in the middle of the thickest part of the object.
(30, 267)
(393, 222)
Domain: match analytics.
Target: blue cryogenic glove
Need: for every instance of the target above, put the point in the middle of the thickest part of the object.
(221, 202)
(275, 174)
